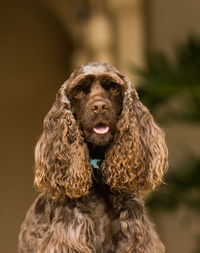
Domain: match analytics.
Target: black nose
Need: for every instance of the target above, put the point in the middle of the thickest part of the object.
(99, 106)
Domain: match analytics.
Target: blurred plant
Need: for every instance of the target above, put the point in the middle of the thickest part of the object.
(182, 187)
(171, 90)
(173, 85)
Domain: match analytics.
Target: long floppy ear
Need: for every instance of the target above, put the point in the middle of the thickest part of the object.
(62, 166)
(138, 157)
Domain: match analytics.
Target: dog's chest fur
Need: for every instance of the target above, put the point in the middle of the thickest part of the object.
(92, 216)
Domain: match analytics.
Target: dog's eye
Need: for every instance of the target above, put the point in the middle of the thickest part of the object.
(79, 93)
(114, 90)
(112, 87)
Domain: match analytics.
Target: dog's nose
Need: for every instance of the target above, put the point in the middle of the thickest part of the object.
(99, 106)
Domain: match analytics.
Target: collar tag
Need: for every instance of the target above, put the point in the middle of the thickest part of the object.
(94, 163)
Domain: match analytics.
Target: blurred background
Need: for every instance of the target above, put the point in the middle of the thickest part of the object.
(156, 43)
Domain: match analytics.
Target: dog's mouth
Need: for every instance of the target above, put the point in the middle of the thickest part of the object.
(100, 134)
(101, 129)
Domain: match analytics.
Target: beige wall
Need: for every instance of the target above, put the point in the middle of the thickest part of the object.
(130, 34)
(34, 61)
(171, 21)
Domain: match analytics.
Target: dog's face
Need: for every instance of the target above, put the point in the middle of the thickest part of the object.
(96, 99)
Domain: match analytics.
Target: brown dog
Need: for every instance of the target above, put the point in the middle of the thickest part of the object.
(99, 152)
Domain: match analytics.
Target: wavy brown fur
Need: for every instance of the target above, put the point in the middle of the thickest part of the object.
(135, 162)
(138, 157)
(62, 165)
(78, 210)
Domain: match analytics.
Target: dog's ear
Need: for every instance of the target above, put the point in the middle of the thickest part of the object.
(62, 166)
(138, 157)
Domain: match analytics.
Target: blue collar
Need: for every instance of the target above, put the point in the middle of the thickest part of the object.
(95, 163)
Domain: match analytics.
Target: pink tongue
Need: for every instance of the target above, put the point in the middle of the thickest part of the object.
(101, 130)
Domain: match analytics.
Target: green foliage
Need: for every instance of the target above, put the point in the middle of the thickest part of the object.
(163, 81)
(166, 82)
(171, 90)
(182, 188)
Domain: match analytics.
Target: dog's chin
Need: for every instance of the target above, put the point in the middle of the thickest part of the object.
(99, 139)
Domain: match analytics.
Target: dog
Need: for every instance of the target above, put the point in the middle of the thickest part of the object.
(99, 153)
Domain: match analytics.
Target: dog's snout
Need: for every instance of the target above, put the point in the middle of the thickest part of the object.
(99, 106)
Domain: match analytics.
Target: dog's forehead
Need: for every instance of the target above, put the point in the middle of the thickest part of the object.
(102, 70)
(95, 69)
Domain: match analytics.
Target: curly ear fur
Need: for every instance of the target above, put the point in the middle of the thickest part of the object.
(134, 163)
(138, 157)
(62, 165)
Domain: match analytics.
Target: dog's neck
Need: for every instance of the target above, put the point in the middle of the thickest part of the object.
(97, 156)
(97, 152)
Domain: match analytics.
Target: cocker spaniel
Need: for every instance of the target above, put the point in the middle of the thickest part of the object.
(100, 151)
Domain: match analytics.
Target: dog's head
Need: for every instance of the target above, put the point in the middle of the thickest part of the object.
(96, 98)
(100, 106)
